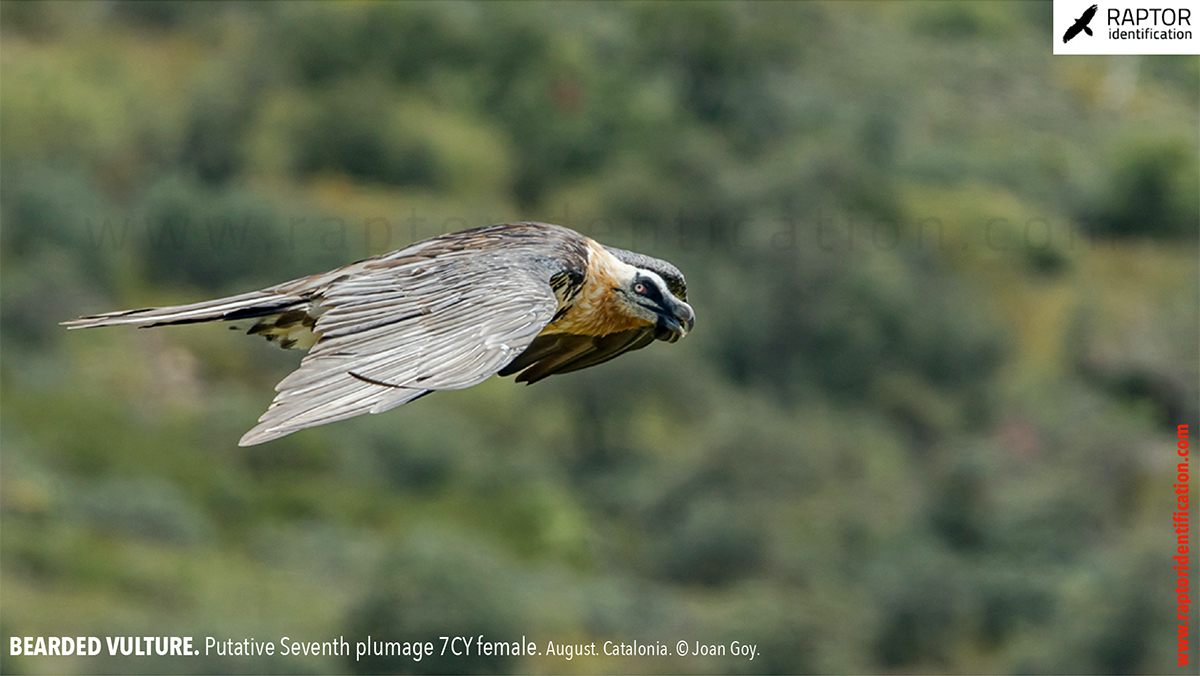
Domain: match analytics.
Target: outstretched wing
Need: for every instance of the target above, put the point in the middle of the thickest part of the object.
(407, 324)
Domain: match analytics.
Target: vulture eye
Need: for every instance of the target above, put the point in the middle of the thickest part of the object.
(639, 288)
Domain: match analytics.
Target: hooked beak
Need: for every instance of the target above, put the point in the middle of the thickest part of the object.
(675, 321)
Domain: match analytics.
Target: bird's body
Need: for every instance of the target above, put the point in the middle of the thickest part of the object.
(445, 313)
(1081, 24)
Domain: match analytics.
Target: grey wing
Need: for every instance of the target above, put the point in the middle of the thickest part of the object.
(400, 329)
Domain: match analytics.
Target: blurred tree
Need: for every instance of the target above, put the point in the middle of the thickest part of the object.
(436, 587)
(1154, 191)
(888, 446)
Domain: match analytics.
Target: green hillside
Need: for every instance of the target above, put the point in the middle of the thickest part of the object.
(946, 288)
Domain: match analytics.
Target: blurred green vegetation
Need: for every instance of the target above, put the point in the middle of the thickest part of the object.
(948, 320)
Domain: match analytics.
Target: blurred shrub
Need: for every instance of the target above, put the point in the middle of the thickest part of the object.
(150, 509)
(815, 469)
(437, 586)
(35, 20)
(924, 602)
(722, 60)
(225, 238)
(53, 207)
(404, 40)
(845, 331)
(152, 14)
(352, 133)
(961, 20)
(562, 120)
(1177, 71)
(707, 541)
(1153, 191)
(216, 126)
(53, 220)
(417, 468)
(1110, 621)
(958, 512)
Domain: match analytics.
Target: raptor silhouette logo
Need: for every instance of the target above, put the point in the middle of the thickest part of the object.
(1081, 24)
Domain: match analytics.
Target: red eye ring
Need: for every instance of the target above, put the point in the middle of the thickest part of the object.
(639, 287)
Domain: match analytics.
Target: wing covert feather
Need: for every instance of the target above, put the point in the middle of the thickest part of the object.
(400, 328)
(555, 353)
